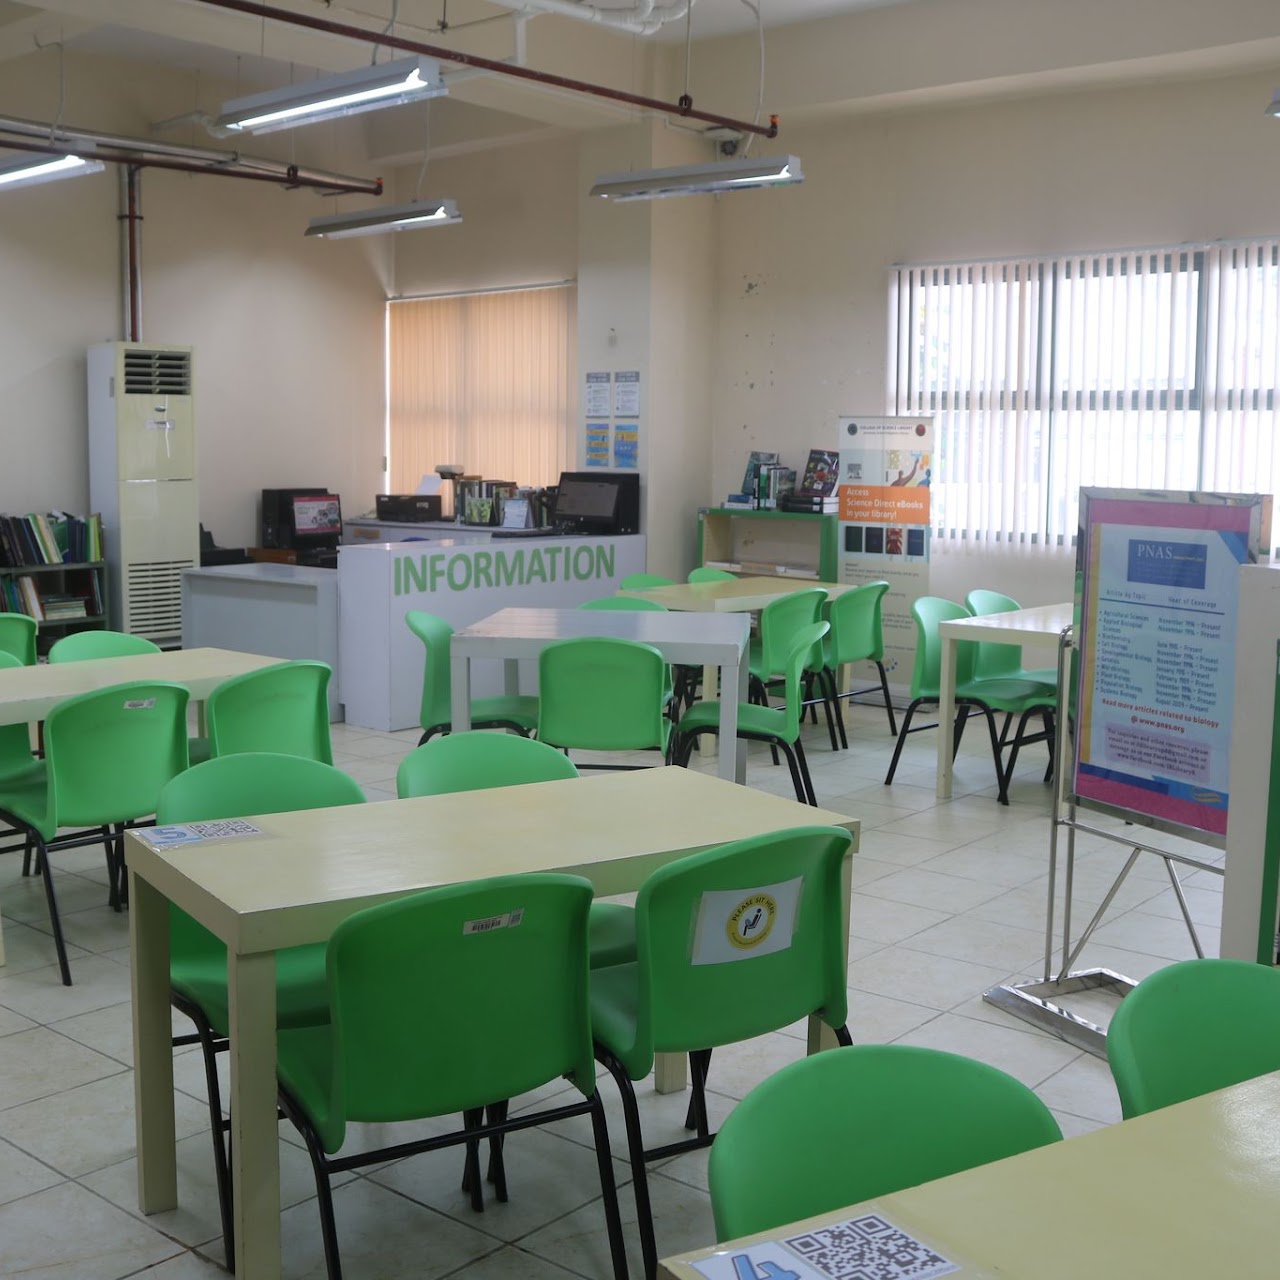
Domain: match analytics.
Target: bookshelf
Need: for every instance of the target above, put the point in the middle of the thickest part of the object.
(62, 598)
(782, 543)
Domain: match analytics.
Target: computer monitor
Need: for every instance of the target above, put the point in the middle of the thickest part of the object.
(601, 502)
(277, 513)
(595, 500)
(317, 520)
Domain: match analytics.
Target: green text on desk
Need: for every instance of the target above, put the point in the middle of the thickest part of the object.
(515, 568)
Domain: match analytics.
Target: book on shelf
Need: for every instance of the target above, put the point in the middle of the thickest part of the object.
(56, 538)
(759, 458)
(816, 504)
(821, 472)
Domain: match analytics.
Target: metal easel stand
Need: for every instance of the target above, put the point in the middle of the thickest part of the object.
(1038, 1002)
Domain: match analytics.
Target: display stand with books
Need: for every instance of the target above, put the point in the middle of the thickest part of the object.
(51, 569)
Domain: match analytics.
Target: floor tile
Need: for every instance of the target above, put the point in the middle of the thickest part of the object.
(21, 1174)
(1031, 1059)
(883, 920)
(937, 982)
(40, 1063)
(998, 945)
(922, 888)
(1084, 1088)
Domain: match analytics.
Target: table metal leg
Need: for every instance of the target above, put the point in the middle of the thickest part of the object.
(946, 715)
(709, 677)
(460, 713)
(152, 1048)
(255, 1154)
(511, 677)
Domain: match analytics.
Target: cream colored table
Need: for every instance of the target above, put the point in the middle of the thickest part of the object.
(308, 871)
(737, 595)
(28, 694)
(1191, 1190)
(705, 641)
(1038, 628)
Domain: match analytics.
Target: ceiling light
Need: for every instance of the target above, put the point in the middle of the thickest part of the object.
(699, 179)
(386, 84)
(373, 222)
(30, 170)
(1274, 108)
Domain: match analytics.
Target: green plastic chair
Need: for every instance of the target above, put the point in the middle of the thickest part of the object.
(239, 786)
(842, 1127)
(1003, 660)
(780, 620)
(857, 635)
(1191, 1028)
(517, 712)
(20, 771)
(108, 754)
(282, 709)
(1023, 698)
(639, 581)
(477, 761)
(698, 983)
(84, 645)
(18, 637)
(778, 726)
(403, 1045)
(603, 694)
(703, 574)
(627, 604)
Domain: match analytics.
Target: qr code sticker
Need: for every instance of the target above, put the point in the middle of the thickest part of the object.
(869, 1248)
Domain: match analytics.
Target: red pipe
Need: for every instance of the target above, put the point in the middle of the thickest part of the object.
(682, 108)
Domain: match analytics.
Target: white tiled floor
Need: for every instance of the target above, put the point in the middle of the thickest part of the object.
(949, 898)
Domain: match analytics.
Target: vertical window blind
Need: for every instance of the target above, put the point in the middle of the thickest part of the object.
(486, 380)
(1155, 368)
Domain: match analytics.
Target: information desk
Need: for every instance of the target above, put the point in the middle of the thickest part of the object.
(1190, 1190)
(1038, 628)
(308, 871)
(381, 660)
(287, 611)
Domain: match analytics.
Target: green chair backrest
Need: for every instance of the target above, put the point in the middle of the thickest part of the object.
(780, 619)
(1191, 1028)
(437, 675)
(513, 1014)
(475, 761)
(800, 657)
(639, 581)
(857, 631)
(283, 709)
(602, 694)
(862, 1122)
(930, 612)
(111, 752)
(634, 604)
(99, 644)
(242, 786)
(741, 939)
(18, 637)
(15, 739)
(703, 574)
(994, 661)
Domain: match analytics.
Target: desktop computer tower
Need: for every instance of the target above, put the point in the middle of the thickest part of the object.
(277, 515)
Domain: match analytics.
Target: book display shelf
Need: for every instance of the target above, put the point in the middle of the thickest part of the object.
(51, 569)
(762, 543)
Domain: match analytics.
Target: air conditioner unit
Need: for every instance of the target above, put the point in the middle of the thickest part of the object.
(142, 480)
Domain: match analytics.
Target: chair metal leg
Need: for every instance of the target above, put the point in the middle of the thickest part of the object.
(473, 1118)
(826, 683)
(221, 1157)
(696, 1116)
(496, 1113)
(837, 705)
(797, 778)
(608, 1189)
(639, 1175)
(55, 921)
(324, 1196)
(888, 702)
(811, 796)
(902, 738)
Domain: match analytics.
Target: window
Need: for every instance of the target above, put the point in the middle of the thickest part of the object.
(1151, 368)
(485, 380)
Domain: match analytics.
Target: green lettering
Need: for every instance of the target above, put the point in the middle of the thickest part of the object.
(537, 570)
(459, 573)
(415, 573)
(484, 569)
(584, 563)
(604, 560)
(552, 554)
(395, 574)
(437, 569)
(508, 570)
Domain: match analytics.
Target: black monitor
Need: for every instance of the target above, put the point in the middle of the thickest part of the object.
(602, 502)
(277, 514)
(317, 520)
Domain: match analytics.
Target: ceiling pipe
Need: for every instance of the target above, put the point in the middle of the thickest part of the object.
(684, 107)
(45, 139)
(643, 19)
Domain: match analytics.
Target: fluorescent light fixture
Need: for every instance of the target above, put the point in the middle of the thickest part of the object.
(386, 84)
(699, 179)
(1274, 108)
(32, 169)
(373, 222)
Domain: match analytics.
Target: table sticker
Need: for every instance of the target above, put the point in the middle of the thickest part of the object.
(865, 1248)
(740, 924)
(171, 837)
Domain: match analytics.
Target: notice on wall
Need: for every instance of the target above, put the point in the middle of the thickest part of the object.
(597, 450)
(626, 393)
(595, 401)
(1159, 582)
(626, 446)
(886, 465)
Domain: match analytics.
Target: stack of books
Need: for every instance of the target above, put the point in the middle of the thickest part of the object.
(816, 493)
(56, 538)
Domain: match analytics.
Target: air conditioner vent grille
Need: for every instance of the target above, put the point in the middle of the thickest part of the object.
(153, 598)
(150, 372)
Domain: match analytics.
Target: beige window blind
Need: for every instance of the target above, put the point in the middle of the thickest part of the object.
(486, 380)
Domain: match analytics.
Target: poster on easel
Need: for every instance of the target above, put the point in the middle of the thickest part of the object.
(1158, 576)
(886, 465)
